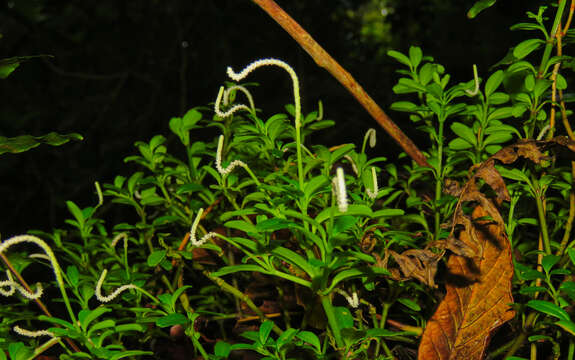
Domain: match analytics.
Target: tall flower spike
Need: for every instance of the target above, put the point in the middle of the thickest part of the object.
(373, 194)
(340, 190)
(266, 62)
(231, 166)
(193, 240)
(234, 108)
(116, 292)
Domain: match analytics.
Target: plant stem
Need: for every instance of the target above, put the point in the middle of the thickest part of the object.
(542, 221)
(438, 181)
(550, 40)
(240, 295)
(324, 60)
(569, 223)
(331, 319)
(519, 340)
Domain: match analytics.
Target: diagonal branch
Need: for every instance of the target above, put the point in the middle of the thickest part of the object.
(324, 60)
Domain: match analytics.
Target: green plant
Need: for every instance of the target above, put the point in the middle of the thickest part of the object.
(317, 252)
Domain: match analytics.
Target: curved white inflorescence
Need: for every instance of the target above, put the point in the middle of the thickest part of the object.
(193, 240)
(222, 114)
(51, 257)
(276, 62)
(113, 295)
(244, 90)
(20, 331)
(232, 165)
(13, 286)
(373, 193)
(371, 135)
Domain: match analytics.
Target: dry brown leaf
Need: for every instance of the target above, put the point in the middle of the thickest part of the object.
(477, 299)
(420, 264)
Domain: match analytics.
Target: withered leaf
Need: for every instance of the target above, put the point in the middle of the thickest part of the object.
(420, 264)
(478, 295)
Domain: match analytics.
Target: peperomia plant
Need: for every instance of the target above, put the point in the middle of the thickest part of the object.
(249, 240)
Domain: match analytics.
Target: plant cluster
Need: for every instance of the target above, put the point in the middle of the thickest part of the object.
(254, 241)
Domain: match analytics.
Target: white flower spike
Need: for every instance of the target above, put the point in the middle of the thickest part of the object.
(232, 165)
(112, 296)
(340, 189)
(18, 330)
(373, 194)
(193, 240)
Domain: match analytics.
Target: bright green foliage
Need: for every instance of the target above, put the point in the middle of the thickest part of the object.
(204, 225)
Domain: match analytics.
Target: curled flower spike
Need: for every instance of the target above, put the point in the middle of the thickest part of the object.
(246, 92)
(476, 80)
(18, 330)
(232, 165)
(373, 194)
(231, 111)
(352, 300)
(340, 190)
(352, 163)
(193, 240)
(52, 258)
(116, 292)
(371, 136)
(266, 62)
(13, 286)
(119, 237)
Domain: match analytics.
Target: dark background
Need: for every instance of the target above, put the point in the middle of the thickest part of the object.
(122, 69)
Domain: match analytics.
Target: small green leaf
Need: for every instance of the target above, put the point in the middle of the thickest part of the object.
(405, 106)
(343, 317)
(464, 132)
(242, 226)
(222, 349)
(571, 253)
(6, 68)
(549, 308)
(415, 55)
(73, 275)
(311, 339)
(549, 261)
(527, 47)
(171, 319)
(19, 351)
(459, 144)
(86, 316)
(478, 7)
(566, 325)
(493, 82)
(399, 57)
(265, 330)
(156, 257)
(410, 304)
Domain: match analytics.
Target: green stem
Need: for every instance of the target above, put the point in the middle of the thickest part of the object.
(439, 180)
(519, 340)
(551, 40)
(331, 319)
(238, 294)
(543, 223)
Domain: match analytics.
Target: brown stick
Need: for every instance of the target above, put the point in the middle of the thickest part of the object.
(324, 60)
